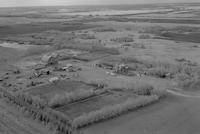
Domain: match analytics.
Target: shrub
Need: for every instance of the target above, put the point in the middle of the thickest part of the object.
(87, 36)
(188, 77)
(155, 30)
(35, 50)
(161, 93)
(188, 81)
(98, 83)
(128, 29)
(144, 36)
(139, 45)
(151, 68)
(180, 59)
(102, 49)
(126, 45)
(122, 39)
(105, 30)
(186, 62)
(183, 29)
(141, 88)
(160, 72)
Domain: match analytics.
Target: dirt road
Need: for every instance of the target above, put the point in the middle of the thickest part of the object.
(174, 115)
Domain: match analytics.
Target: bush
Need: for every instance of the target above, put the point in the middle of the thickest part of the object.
(141, 88)
(160, 72)
(155, 30)
(87, 36)
(161, 93)
(139, 45)
(165, 70)
(180, 60)
(186, 62)
(188, 82)
(122, 39)
(126, 45)
(102, 49)
(105, 30)
(151, 68)
(144, 36)
(35, 50)
(98, 83)
(129, 29)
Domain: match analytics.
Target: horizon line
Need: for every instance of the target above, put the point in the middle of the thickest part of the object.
(97, 4)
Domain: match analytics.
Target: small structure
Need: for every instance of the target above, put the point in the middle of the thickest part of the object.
(70, 68)
(110, 67)
(111, 73)
(39, 73)
(54, 79)
(46, 72)
(39, 67)
(50, 59)
(121, 68)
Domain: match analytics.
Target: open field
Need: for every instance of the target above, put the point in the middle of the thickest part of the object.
(175, 115)
(14, 122)
(95, 103)
(59, 87)
(100, 69)
(39, 27)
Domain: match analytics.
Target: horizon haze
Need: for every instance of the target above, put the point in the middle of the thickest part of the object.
(21, 3)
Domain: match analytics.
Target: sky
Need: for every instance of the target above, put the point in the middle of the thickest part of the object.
(8, 3)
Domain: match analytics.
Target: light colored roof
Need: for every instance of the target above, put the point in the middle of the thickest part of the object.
(46, 57)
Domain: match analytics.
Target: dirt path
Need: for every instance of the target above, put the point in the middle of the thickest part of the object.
(184, 94)
(177, 114)
(14, 122)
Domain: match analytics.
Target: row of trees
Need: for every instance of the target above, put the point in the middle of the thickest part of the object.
(113, 110)
(39, 111)
(70, 97)
(122, 39)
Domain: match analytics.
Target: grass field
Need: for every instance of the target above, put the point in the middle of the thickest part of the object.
(59, 87)
(95, 103)
(14, 122)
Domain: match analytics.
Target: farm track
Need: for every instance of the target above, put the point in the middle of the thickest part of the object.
(183, 94)
(14, 122)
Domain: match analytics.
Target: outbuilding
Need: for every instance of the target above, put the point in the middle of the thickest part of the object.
(50, 59)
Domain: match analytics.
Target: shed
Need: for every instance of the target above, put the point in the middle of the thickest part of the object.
(50, 59)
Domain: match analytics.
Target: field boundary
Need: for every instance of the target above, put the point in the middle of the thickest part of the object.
(110, 112)
(39, 111)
